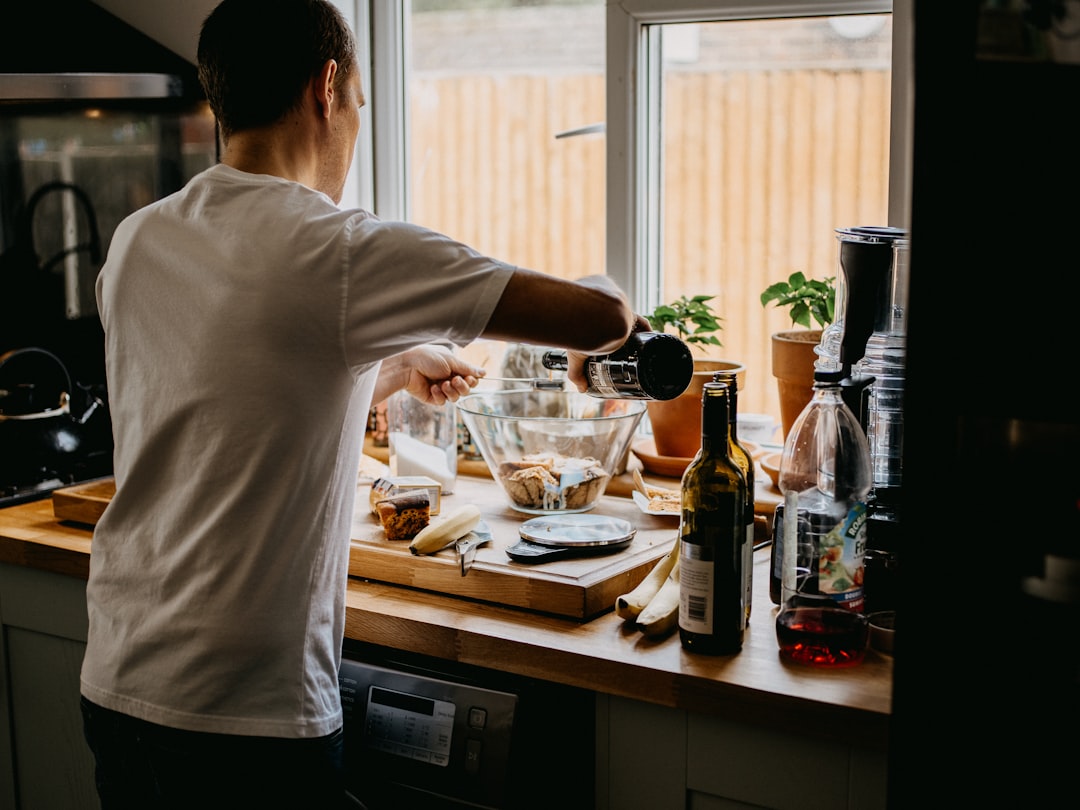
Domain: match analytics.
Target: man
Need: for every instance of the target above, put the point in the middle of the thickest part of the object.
(249, 325)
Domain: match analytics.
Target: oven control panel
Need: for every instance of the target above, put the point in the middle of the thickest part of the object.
(409, 725)
(427, 733)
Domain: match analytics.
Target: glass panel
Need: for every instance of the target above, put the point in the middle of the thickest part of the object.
(775, 132)
(121, 158)
(493, 89)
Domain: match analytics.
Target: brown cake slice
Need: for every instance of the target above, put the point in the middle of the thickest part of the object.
(403, 516)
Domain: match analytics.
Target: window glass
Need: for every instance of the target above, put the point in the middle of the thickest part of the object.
(773, 133)
(502, 155)
(119, 157)
(767, 134)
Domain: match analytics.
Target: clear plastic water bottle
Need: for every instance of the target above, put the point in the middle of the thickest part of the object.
(825, 477)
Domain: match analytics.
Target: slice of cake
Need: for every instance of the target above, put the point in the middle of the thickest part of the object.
(404, 515)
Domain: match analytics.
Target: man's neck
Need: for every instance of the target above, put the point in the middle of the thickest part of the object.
(275, 151)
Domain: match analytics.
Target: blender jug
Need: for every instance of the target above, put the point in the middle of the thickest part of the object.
(863, 292)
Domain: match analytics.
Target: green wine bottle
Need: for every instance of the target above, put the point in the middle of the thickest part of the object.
(712, 527)
(745, 461)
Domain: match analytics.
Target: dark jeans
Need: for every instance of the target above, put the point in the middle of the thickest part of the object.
(150, 767)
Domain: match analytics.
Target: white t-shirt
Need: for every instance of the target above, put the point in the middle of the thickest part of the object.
(245, 320)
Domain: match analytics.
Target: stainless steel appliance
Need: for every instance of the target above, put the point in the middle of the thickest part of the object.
(421, 733)
(88, 134)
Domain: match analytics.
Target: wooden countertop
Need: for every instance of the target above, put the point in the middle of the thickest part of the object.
(604, 654)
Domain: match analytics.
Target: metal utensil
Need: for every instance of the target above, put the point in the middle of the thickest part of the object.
(536, 383)
(467, 545)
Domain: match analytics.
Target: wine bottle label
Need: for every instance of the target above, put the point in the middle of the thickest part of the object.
(695, 595)
(697, 591)
(840, 558)
(600, 380)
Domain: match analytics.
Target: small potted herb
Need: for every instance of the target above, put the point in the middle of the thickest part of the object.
(805, 298)
(676, 423)
(693, 320)
(809, 301)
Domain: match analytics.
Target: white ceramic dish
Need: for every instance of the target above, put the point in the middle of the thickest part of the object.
(643, 504)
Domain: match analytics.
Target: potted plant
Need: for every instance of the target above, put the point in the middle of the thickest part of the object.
(808, 301)
(676, 423)
(692, 319)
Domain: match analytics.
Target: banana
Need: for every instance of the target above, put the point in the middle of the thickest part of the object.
(436, 536)
(629, 605)
(662, 613)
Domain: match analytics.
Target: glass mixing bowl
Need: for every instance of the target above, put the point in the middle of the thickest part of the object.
(552, 452)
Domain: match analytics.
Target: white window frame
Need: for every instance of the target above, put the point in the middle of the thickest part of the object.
(633, 120)
(633, 116)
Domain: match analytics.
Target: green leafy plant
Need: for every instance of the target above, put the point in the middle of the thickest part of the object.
(805, 298)
(692, 318)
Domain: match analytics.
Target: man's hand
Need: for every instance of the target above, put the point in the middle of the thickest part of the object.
(575, 361)
(431, 374)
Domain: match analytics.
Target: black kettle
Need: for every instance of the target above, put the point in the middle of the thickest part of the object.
(39, 437)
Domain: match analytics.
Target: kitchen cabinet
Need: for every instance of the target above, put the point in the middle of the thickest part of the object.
(44, 761)
(672, 729)
(656, 756)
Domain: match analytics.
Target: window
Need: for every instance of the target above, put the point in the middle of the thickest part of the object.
(712, 149)
(495, 93)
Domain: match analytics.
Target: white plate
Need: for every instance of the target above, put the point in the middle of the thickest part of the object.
(643, 504)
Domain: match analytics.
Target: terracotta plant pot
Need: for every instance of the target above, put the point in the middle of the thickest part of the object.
(676, 423)
(793, 366)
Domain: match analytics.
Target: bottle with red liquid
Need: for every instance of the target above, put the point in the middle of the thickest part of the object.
(826, 476)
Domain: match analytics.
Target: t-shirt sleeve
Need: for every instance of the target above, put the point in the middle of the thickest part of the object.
(406, 285)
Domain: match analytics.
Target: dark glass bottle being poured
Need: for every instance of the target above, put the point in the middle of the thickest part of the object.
(712, 614)
(825, 477)
(650, 365)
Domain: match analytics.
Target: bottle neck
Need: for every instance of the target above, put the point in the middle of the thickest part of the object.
(732, 382)
(715, 419)
(733, 413)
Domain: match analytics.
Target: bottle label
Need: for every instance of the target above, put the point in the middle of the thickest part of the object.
(612, 378)
(599, 381)
(840, 558)
(695, 594)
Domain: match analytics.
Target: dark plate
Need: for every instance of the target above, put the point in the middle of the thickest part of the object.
(531, 553)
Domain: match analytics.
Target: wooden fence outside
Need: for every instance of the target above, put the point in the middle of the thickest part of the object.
(760, 168)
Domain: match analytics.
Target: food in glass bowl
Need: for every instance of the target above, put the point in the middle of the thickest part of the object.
(550, 451)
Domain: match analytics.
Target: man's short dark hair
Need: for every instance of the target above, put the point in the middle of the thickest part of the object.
(257, 56)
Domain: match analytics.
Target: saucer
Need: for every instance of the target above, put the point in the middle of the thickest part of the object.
(669, 466)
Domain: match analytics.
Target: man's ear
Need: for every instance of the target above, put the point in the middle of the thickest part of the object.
(324, 87)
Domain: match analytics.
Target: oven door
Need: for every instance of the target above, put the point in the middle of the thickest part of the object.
(421, 733)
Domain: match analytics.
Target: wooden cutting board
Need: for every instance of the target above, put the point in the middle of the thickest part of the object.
(83, 503)
(579, 588)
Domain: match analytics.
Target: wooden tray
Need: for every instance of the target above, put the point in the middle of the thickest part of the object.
(83, 503)
(579, 588)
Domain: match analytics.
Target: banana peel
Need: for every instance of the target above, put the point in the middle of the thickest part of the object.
(629, 605)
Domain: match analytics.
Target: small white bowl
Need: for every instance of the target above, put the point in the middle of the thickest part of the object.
(757, 427)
